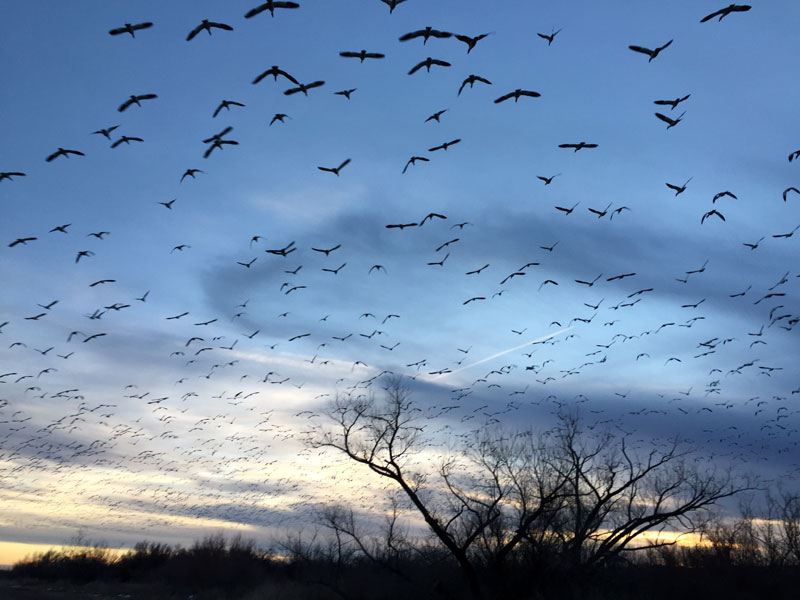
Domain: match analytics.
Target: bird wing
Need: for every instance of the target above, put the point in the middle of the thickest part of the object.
(504, 98)
(125, 105)
(418, 66)
(411, 35)
(224, 26)
(666, 119)
(344, 163)
(530, 93)
(195, 31)
(256, 11)
(712, 15)
(642, 50)
(350, 54)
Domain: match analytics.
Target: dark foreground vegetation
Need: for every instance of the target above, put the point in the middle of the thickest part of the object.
(734, 562)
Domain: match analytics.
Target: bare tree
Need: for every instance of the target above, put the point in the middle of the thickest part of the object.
(480, 503)
(617, 495)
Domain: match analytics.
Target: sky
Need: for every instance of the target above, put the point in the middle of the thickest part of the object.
(157, 380)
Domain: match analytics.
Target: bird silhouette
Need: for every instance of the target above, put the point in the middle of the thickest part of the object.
(63, 152)
(226, 104)
(279, 117)
(789, 189)
(710, 213)
(413, 160)
(270, 5)
(724, 12)
(471, 81)
(651, 53)
(425, 34)
(106, 132)
(135, 100)
(275, 71)
(131, 29)
(679, 189)
(345, 93)
(10, 175)
(669, 121)
(362, 55)
(435, 117)
(516, 95)
(549, 36)
(335, 170)
(428, 63)
(471, 41)
(208, 26)
(723, 195)
(303, 87)
(671, 103)
(578, 146)
(392, 4)
(127, 140)
(445, 145)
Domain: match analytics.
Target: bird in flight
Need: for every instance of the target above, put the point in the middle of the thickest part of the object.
(413, 160)
(547, 180)
(785, 192)
(651, 53)
(401, 226)
(670, 122)
(190, 173)
(428, 63)
(362, 56)
(471, 41)
(279, 117)
(671, 103)
(516, 94)
(274, 70)
(724, 12)
(270, 5)
(722, 195)
(425, 34)
(22, 241)
(128, 28)
(392, 4)
(549, 37)
(444, 146)
(793, 155)
(710, 213)
(435, 117)
(335, 170)
(106, 132)
(327, 251)
(135, 100)
(566, 211)
(345, 93)
(63, 152)
(226, 104)
(471, 81)
(578, 146)
(303, 87)
(126, 139)
(207, 25)
(679, 189)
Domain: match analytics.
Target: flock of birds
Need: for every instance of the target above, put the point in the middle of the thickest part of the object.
(213, 445)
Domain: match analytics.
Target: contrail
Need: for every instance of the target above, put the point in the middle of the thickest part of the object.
(504, 352)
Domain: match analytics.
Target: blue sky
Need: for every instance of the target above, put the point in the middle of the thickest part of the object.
(63, 459)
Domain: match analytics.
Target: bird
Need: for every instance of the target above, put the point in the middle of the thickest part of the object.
(651, 53)
(679, 189)
(589, 283)
(190, 173)
(722, 195)
(578, 146)
(471, 81)
(567, 211)
(345, 93)
(247, 264)
(425, 34)
(401, 226)
(549, 37)
(669, 121)
(600, 213)
(547, 180)
(441, 262)
(127, 140)
(724, 12)
(753, 246)
(270, 5)
(274, 70)
(793, 155)
(279, 117)
(22, 241)
(710, 213)
(327, 251)
(428, 63)
(787, 235)
(180, 248)
(477, 271)
(101, 282)
(362, 56)
(671, 103)
(445, 145)
(473, 299)
(303, 87)
(219, 143)
(10, 174)
(129, 28)
(135, 100)
(617, 211)
(169, 204)
(430, 217)
(435, 117)
(789, 189)
(376, 268)
(106, 132)
(226, 104)
(336, 270)
(335, 170)
(413, 160)
(61, 228)
(83, 254)
(63, 152)
(207, 25)
(471, 41)
(516, 94)
(392, 4)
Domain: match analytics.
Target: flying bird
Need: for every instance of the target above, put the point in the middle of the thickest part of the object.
(578, 146)
(345, 93)
(435, 117)
(63, 152)
(226, 104)
(425, 34)
(516, 94)
(567, 211)
(105, 132)
(793, 155)
(190, 173)
(270, 5)
(471, 41)
(789, 189)
(413, 160)
(549, 37)
(724, 12)
(22, 241)
(445, 145)
(335, 170)
(710, 213)
(279, 117)
(547, 180)
(671, 103)
(127, 140)
(129, 28)
(651, 53)
(669, 121)
(135, 100)
(303, 87)
(392, 4)
(207, 25)
(9, 174)
(274, 70)
(428, 63)
(471, 81)
(679, 189)
(722, 195)
(362, 56)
